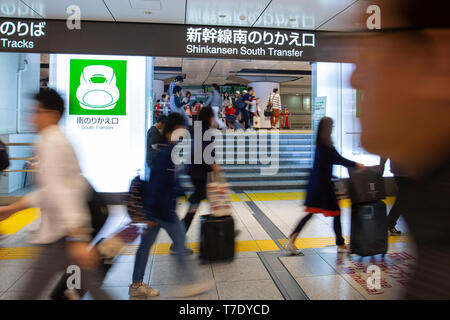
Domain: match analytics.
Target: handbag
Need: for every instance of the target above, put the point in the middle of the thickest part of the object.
(366, 185)
(111, 247)
(268, 111)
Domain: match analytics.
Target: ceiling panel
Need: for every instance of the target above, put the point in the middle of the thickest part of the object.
(168, 62)
(16, 9)
(236, 12)
(51, 9)
(354, 18)
(164, 11)
(300, 14)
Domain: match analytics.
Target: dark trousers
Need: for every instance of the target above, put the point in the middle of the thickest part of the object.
(194, 200)
(52, 260)
(396, 210)
(251, 115)
(245, 118)
(336, 226)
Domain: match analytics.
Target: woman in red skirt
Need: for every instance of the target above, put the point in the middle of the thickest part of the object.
(320, 195)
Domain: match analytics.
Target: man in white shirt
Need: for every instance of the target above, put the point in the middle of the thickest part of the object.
(65, 228)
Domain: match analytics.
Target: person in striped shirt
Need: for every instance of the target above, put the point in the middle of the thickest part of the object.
(275, 102)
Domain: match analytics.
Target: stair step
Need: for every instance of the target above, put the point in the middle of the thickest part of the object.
(251, 168)
(262, 185)
(255, 176)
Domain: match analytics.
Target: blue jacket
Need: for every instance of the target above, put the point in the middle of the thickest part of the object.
(214, 99)
(161, 192)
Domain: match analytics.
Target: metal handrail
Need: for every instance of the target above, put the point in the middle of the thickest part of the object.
(20, 144)
(27, 159)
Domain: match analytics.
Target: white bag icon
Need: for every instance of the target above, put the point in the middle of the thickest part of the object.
(98, 90)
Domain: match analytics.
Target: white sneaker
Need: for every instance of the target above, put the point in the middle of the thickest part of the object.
(193, 289)
(143, 290)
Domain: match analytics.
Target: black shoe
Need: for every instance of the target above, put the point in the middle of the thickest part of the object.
(394, 232)
(186, 252)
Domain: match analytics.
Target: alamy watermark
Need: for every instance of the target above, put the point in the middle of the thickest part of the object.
(374, 280)
(74, 280)
(74, 17)
(374, 20)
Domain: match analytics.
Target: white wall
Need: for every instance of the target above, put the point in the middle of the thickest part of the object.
(158, 89)
(10, 131)
(29, 84)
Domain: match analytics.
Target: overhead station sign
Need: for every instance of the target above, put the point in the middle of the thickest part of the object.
(173, 40)
(233, 42)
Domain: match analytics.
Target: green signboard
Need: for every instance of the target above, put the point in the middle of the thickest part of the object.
(98, 87)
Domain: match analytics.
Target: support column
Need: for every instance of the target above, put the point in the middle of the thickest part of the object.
(263, 91)
(158, 89)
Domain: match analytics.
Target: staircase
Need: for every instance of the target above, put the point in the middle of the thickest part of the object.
(294, 162)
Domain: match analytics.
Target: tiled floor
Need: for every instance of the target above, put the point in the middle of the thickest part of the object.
(321, 272)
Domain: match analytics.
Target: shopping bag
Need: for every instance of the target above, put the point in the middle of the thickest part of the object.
(110, 248)
(219, 195)
(256, 122)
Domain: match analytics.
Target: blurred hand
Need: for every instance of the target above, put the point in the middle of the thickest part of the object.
(5, 212)
(82, 255)
(216, 168)
(360, 166)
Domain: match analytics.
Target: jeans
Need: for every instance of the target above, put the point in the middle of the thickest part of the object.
(184, 114)
(245, 118)
(52, 260)
(216, 117)
(177, 233)
(336, 226)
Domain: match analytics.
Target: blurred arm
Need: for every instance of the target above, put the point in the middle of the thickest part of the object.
(340, 160)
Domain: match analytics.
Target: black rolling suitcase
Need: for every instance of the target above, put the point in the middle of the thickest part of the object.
(369, 234)
(216, 238)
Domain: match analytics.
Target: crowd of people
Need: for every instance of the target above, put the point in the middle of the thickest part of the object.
(238, 112)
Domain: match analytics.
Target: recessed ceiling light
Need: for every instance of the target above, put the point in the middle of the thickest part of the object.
(242, 17)
(148, 12)
(222, 15)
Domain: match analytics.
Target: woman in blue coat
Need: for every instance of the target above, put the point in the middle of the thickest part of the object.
(320, 195)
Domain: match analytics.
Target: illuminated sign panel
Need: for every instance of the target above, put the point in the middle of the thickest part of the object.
(98, 87)
(144, 39)
(247, 42)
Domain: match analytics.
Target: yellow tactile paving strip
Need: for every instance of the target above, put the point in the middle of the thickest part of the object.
(163, 248)
(18, 220)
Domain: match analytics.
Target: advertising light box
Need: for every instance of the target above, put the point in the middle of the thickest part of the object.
(105, 116)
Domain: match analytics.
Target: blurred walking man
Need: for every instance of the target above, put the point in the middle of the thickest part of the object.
(65, 230)
(408, 121)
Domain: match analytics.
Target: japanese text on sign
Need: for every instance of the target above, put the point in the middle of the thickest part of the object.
(20, 29)
(209, 40)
